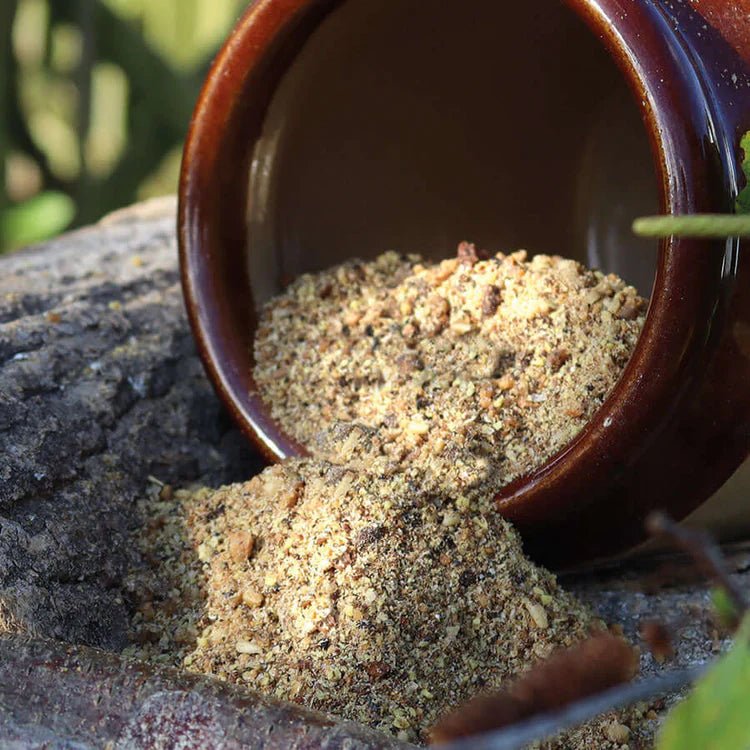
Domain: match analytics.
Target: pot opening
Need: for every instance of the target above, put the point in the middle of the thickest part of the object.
(413, 126)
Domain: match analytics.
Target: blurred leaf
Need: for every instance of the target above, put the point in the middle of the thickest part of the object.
(715, 715)
(36, 219)
(725, 608)
(98, 94)
(743, 199)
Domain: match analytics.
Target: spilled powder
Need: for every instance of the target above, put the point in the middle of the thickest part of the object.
(350, 591)
(475, 371)
(376, 581)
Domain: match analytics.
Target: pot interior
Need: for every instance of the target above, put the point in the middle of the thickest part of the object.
(415, 124)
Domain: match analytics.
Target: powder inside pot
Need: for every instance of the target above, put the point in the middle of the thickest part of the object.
(353, 592)
(474, 370)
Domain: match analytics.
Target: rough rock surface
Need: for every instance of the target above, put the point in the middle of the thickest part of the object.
(77, 698)
(100, 387)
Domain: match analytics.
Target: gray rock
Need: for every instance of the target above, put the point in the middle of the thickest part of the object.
(100, 387)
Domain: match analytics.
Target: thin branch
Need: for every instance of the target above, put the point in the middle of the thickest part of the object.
(549, 724)
(711, 226)
(706, 553)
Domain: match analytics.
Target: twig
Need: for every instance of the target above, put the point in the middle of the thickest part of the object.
(703, 550)
(546, 725)
(715, 226)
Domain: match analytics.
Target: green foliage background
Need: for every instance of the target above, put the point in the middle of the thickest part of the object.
(95, 99)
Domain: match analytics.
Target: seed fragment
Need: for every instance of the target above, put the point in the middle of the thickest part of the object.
(467, 253)
(491, 300)
(618, 733)
(252, 598)
(248, 647)
(537, 613)
(558, 358)
(377, 670)
(241, 545)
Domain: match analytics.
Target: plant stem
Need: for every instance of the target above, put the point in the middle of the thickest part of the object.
(717, 226)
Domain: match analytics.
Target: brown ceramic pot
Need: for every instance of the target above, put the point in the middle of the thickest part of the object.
(333, 128)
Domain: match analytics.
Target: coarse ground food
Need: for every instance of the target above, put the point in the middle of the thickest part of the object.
(475, 371)
(354, 592)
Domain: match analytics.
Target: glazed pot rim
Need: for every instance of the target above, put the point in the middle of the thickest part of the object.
(649, 52)
(651, 381)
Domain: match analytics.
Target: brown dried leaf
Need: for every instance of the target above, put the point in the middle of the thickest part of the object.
(658, 639)
(599, 663)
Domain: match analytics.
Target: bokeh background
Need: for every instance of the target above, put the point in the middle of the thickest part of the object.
(95, 100)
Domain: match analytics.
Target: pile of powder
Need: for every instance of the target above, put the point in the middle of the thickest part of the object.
(475, 371)
(353, 592)
(376, 581)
